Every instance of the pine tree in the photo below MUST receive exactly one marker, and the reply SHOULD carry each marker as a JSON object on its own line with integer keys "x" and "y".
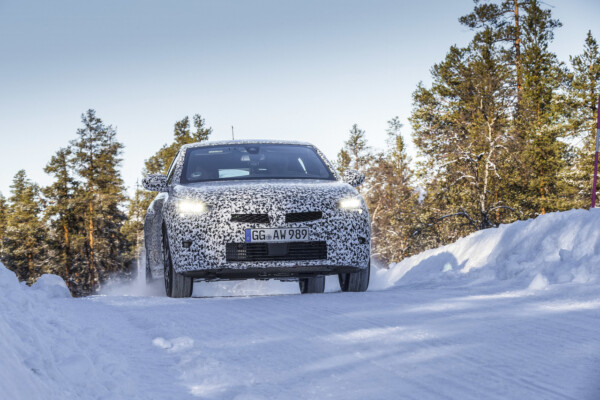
{"x": 538, "y": 132}
{"x": 182, "y": 134}
{"x": 133, "y": 229}
{"x": 582, "y": 107}
{"x": 63, "y": 214}
{"x": 503, "y": 21}
{"x": 343, "y": 161}
{"x": 3, "y": 216}
{"x": 355, "y": 154}
{"x": 24, "y": 240}
{"x": 392, "y": 199}
{"x": 96, "y": 160}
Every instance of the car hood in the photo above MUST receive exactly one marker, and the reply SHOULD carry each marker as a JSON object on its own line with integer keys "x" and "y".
{"x": 267, "y": 196}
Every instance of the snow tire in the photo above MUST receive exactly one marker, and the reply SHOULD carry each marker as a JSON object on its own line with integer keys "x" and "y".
{"x": 148, "y": 276}
{"x": 355, "y": 281}
{"x": 176, "y": 285}
{"x": 312, "y": 285}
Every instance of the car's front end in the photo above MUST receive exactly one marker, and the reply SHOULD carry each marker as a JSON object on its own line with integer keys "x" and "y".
{"x": 285, "y": 228}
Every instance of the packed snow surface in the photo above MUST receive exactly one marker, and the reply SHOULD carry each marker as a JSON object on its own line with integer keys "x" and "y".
{"x": 506, "y": 313}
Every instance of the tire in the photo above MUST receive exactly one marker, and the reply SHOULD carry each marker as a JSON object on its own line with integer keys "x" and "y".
{"x": 312, "y": 285}
{"x": 355, "y": 281}
{"x": 176, "y": 285}
{"x": 148, "y": 276}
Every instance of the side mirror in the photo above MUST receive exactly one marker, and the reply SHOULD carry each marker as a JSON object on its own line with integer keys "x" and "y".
{"x": 353, "y": 178}
{"x": 155, "y": 183}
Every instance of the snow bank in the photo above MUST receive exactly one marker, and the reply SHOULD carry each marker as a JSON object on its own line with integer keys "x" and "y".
{"x": 48, "y": 352}
{"x": 556, "y": 248}
{"x": 28, "y": 332}
{"x": 52, "y": 286}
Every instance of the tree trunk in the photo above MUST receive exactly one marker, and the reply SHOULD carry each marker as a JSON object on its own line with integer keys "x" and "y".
{"x": 93, "y": 271}
{"x": 517, "y": 45}
{"x": 30, "y": 268}
{"x": 66, "y": 253}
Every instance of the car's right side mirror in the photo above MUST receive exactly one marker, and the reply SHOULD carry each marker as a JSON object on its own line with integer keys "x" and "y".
{"x": 353, "y": 177}
{"x": 155, "y": 183}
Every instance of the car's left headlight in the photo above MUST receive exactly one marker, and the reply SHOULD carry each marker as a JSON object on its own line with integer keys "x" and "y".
{"x": 351, "y": 203}
{"x": 191, "y": 207}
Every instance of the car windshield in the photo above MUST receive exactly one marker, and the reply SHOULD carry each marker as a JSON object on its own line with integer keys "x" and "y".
{"x": 253, "y": 161}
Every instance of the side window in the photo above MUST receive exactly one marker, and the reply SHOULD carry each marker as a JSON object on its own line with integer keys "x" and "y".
{"x": 171, "y": 171}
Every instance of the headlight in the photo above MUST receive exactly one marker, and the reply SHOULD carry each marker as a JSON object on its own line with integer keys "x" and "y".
{"x": 191, "y": 207}
{"x": 351, "y": 203}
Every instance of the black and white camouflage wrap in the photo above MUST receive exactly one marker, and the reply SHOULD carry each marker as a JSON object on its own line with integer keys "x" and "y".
{"x": 353, "y": 177}
{"x": 155, "y": 183}
{"x": 209, "y": 232}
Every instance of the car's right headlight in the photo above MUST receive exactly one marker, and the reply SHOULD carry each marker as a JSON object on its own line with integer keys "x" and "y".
{"x": 191, "y": 207}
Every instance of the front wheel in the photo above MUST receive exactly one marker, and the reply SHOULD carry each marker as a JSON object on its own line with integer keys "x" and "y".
{"x": 312, "y": 285}
{"x": 355, "y": 281}
{"x": 148, "y": 276}
{"x": 176, "y": 285}
{"x": 148, "y": 271}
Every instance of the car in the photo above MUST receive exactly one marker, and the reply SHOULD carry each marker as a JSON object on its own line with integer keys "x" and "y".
{"x": 257, "y": 209}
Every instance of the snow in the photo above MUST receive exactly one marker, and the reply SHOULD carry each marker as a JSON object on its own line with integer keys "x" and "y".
{"x": 52, "y": 286}
{"x": 506, "y": 313}
{"x": 555, "y": 248}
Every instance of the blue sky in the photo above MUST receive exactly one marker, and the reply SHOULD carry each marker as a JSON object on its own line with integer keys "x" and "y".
{"x": 303, "y": 70}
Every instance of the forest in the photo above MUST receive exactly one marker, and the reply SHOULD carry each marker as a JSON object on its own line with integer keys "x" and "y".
{"x": 504, "y": 132}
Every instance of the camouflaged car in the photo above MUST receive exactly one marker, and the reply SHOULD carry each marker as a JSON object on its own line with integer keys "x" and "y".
{"x": 256, "y": 210}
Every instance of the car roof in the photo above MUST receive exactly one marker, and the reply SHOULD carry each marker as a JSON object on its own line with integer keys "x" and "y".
{"x": 243, "y": 142}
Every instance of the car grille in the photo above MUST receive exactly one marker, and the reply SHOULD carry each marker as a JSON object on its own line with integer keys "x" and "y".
{"x": 290, "y": 251}
{"x": 303, "y": 216}
{"x": 250, "y": 218}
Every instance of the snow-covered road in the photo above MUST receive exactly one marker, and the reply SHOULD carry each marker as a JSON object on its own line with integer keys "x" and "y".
{"x": 522, "y": 323}
{"x": 410, "y": 343}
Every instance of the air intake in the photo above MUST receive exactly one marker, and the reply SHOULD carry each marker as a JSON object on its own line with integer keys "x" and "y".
{"x": 250, "y": 218}
{"x": 303, "y": 216}
{"x": 291, "y": 251}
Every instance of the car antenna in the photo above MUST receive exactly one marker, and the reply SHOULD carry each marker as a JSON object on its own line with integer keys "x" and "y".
{"x": 232, "y": 136}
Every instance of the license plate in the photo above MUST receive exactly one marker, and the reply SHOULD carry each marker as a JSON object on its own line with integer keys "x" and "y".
{"x": 277, "y": 235}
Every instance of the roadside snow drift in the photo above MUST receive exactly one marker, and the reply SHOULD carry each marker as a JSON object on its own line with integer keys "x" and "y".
{"x": 555, "y": 248}
{"x": 506, "y": 313}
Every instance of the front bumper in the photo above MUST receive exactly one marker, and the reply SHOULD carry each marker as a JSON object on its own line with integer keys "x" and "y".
{"x": 201, "y": 245}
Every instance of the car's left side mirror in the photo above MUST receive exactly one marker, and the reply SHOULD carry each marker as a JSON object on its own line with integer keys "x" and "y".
{"x": 155, "y": 183}
{"x": 353, "y": 177}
